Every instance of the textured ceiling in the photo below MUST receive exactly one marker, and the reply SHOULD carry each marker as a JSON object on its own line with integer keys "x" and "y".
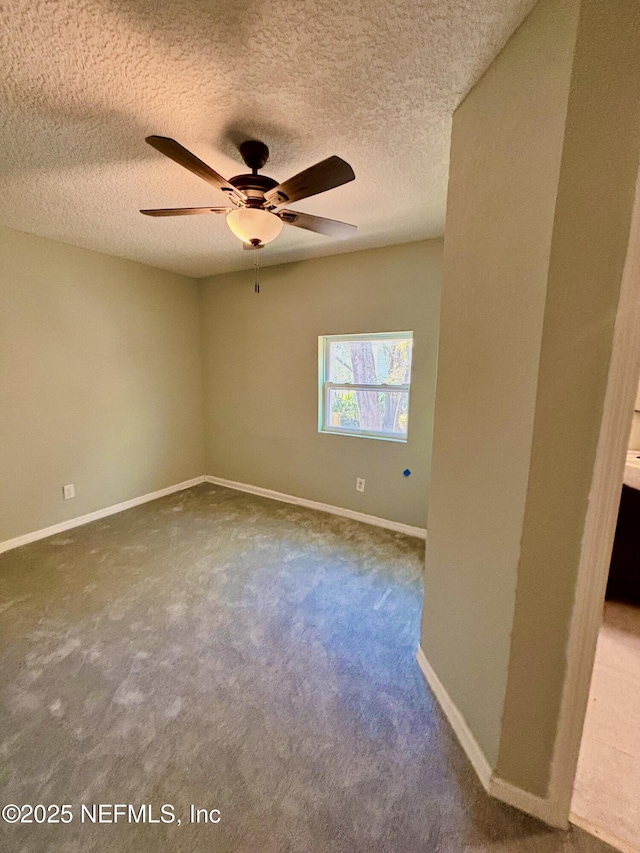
{"x": 82, "y": 82}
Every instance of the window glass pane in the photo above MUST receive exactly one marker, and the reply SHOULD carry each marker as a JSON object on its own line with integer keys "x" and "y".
{"x": 367, "y": 410}
{"x": 382, "y": 361}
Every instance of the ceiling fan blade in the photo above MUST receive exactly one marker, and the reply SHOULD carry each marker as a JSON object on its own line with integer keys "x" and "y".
{"x": 329, "y": 227}
{"x": 185, "y": 211}
{"x": 329, "y": 173}
{"x": 179, "y": 154}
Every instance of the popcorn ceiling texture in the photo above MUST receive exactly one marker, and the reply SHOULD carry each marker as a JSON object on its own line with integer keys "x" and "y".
{"x": 82, "y": 82}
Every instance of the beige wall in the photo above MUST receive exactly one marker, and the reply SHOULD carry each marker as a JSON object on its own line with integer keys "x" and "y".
{"x": 505, "y": 163}
{"x": 544, "y": 161}
{"x": 634, "y": 438}
{"x": 101, "y": 376}
{"x": 100, "y": 381}
{"x": 261, "y": 368}
{"x": 600, "y": 159}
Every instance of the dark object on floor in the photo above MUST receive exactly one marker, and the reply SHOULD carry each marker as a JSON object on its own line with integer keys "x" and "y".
{"x": 624, "y": 572}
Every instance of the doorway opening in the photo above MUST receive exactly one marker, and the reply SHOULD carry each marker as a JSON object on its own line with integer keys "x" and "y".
{"x": 607, "y": 785}
{"x": 588, "y": 629}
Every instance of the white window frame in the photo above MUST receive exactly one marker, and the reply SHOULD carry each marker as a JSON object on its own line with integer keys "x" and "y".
{"x": 324, "y": 386}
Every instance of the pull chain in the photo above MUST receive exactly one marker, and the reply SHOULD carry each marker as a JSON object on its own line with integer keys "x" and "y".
{"x": 257, "y": 269}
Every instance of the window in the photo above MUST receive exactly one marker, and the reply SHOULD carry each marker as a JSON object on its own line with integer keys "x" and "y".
{"x": 364, "y": 384}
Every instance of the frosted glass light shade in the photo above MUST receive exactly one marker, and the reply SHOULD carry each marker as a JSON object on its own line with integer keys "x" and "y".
{"x": 251, "y": 224}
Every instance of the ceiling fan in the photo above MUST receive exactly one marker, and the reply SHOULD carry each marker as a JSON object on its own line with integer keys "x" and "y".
{"x": 257, "y": 213}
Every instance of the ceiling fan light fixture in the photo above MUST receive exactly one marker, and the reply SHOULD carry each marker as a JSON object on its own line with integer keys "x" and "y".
{"x": 253, "y": 221}
{"x": 253, "y": 225}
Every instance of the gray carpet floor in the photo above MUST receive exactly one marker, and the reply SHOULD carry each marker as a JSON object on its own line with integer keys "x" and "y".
{"x": 222, "y": 650}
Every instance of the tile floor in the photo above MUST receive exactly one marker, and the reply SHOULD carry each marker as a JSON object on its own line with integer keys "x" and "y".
{"x": 606, "y": 799}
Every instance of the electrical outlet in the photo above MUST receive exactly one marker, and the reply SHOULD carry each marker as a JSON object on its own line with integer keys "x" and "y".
{"x": 68, "y": 491}
{"x": 359, "y": 484}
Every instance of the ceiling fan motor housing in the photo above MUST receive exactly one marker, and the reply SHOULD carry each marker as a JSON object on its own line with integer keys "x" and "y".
{"x": 254, "y": 187}
{"x": 254, "y": 153}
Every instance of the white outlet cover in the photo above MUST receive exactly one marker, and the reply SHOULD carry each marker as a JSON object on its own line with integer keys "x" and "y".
{"x": 69, "y": 491}
{"x": 360, "y": 484}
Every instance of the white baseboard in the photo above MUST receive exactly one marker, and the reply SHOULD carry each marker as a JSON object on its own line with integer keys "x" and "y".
{"x": 541, "y": 807}
{"x": 398, "y": 526}
{"x": 458, "y": 723}
{"x": 496, "y": 787}
{"x": 26, "y": 538}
